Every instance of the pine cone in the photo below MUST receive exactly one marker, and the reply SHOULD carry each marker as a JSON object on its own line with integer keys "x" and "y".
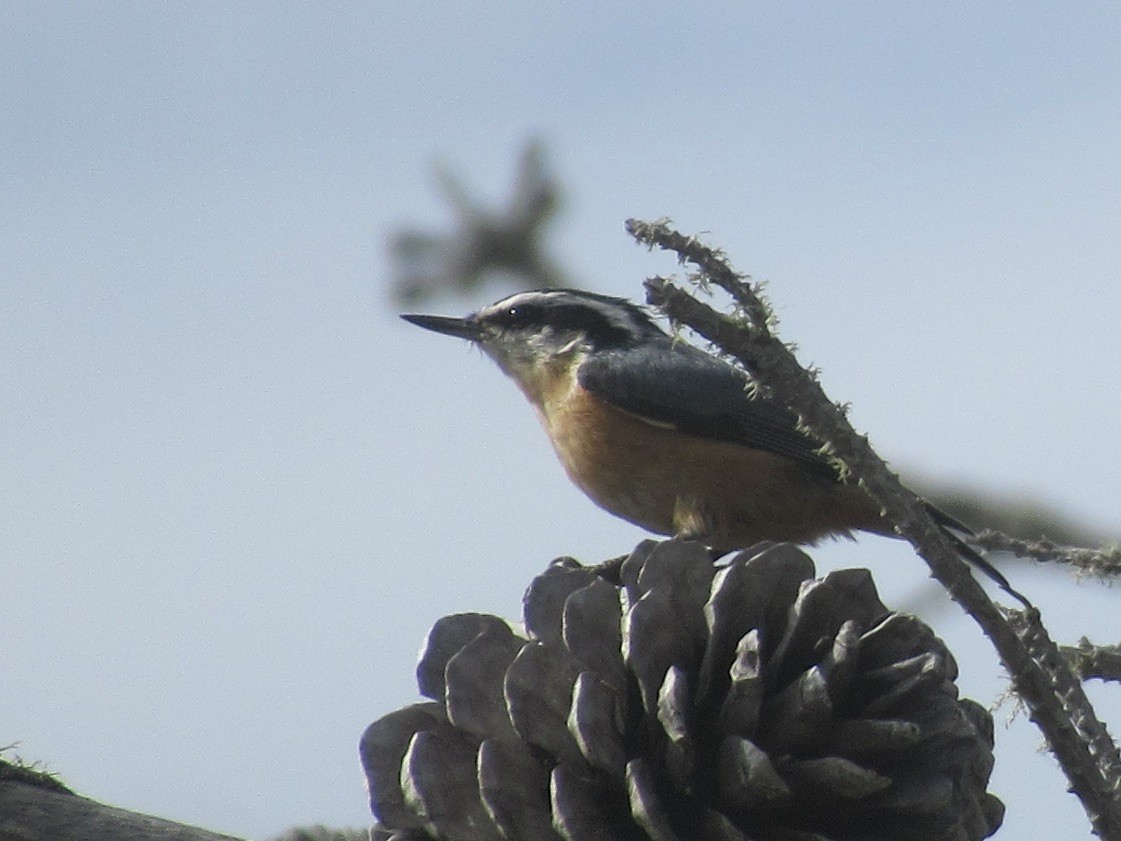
{"x": 668, "y": 698}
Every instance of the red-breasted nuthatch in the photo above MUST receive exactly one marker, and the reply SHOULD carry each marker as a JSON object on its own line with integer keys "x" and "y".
{"x": 664, "y": 435}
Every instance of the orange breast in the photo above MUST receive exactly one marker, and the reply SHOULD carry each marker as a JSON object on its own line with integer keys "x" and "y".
{"x": 670, "y": 483}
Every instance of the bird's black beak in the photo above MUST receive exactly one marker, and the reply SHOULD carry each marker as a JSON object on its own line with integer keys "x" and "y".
{"x": 462, "y": 328}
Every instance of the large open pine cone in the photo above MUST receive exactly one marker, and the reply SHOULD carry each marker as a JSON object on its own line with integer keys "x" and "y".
{"x": 686, "y": 701}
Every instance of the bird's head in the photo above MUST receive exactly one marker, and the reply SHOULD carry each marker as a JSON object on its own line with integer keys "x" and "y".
{"x": 532, "y": 335}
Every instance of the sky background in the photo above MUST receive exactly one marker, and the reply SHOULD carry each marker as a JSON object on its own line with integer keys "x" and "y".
{"x": 236, "y": 490}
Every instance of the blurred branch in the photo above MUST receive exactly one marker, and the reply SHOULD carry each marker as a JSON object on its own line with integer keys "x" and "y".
{"x": 486, "y": 243}
{"x": 1028, "y": 530}
{"x": 1040, "y": 674}
{"x": 1021, "y": 518}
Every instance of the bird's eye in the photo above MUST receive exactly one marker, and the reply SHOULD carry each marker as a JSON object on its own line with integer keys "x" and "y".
{"x": 514, "y": 315}
{"x": 520, "y": 314}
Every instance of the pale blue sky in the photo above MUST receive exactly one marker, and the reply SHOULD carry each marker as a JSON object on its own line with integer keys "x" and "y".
{"x": 235, "y": 490}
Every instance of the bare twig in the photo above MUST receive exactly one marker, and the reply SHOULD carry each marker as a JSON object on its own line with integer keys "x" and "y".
{"x": 1090, "y": 662}
{"x": 1040, "y": 674}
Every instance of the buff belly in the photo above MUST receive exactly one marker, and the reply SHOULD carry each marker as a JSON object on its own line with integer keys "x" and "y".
{"x": 669, "y": 483}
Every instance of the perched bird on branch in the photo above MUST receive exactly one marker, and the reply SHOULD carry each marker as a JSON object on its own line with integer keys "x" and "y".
{"x": 666, "y": 436}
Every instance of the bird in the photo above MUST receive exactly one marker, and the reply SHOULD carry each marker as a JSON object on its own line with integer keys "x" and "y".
{"x": 666, "y": 436}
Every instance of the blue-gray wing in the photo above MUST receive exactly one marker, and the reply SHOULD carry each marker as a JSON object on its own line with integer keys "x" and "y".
{"x": 696, "y": 393}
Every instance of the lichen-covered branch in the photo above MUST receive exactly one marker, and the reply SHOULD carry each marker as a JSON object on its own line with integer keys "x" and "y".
{"x": 1040, "y": 674}
{"x": 1102, "y": 562}
{"x": 1094, "y": 662}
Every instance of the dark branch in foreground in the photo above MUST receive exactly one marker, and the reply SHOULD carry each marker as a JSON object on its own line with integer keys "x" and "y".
{"x": 36, "y": 812}
{"x": 1040, "y": 674}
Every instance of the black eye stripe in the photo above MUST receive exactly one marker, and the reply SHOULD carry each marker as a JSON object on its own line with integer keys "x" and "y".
{"x": 606, "y": 322}
{"x": 560, "y": 317}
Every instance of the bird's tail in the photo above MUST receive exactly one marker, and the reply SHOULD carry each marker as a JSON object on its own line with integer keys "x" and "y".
{"x": 954, "y": 529}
